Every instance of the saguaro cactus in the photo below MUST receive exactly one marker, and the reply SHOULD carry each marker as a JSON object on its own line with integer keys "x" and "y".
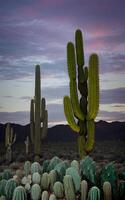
{"x": 10, "y": 139}
{"x": 80, "y": 113}
{"x": 38, "y": 116}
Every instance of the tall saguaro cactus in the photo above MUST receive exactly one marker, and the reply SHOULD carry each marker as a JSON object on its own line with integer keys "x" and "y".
{"x": 82, "y": 106}
{"x": 10, "y": 139}
{"x": 38, "y": 116}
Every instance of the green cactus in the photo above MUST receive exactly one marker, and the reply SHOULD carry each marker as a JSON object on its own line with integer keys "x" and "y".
{"x": 19, "y": 193}
{"x": 45, "y": 195}
{"x": 75, "y": 164}
{"x": 2, "y": 198}
{"x": 60, "y": 169}
{"x": 36, "y": 167}
{"x": 45, "y": 181}
{"x": 121, "y": 190}
{"x": 58, "y": 189}
{"x": 52, "y": 178}
{"x": 53, "y": 162}
{"x": 52, "y": 197}
{"x": 10, "y": 187}
{"x": 107, "y": 191}
{"x": 69, "y": 187}
{"x": 45, "y": 165}
{"x": 80, "y": 113}
{"x": 3, "y": 183}
{"x": 108, "y": 173}
{"x": 84, "y": 189}
{"x": 7, "y": 174}
{"x": 38, "y": 116}
{"x": 36, "y": 177}
{"x": 94, "y": 193}
{"x": 88, "y": 169}
{"x": 10, "y": 139}
{"x": 35, "y": 192}
{"x": 27, "y": 145}
{"x": 75, "y": 177}
{"x": 27, "y": 168}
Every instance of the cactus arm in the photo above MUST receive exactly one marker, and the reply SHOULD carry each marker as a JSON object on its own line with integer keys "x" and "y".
{"x": 69, "y": 114}
{"x": 79, "y": 48}
{"x": 43, "y": 106}
{"x": 93, "y": 87}
{"x": 45, "y": 125}
{"x": 7, "y": 131}
{"x": 71, "y": 61}
{"x": 27, "y": 145}
{"x": 32, "y": 121}
{"x": 74, "y": 100}
{"x": 12, "y": 138}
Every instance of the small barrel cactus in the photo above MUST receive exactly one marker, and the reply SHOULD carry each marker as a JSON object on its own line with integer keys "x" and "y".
{"x": 26, "y": 179}
{"x": 36, "y": 177}
{"x": 75, "y": 164}
{"x": 53, "y": 162}
{"x": 27, "y": 168}
{"x": 2, "y": 197}
{"x": 69, "y": 188}
{"x": 121, "y": 189}
{"x": 27, "y": 187}
{"x": 84, "y": 189}
{"x": 36, "y": 167}
{"x": 52, "y": 178}
{"x": 10, "y": 187}
{"x": 94, "y": 193}
{"x": 45, "y": 181}
{"x": 45, "y": 195}
{"x": 35, "y": 192}
{"x": 108, "y": 173}
{"x": 88, "y": 169}
{"x": 7, "y": 174}
{"x": 60, "y": 168}
{"x": 58, "y": 189}
{"x": 107, "y": 191}
{"x": 45, "y": 165}
{"x": 52, "y": 197}
{"x": 19, "y": 193}
{"x": 75, "y": 177}
{"x": 19, "y": 173}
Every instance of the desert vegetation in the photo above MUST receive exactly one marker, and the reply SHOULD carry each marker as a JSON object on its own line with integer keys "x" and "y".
{"x": 57, "y": 171}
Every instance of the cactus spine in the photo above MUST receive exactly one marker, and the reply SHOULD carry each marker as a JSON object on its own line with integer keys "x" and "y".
{"x": 80, "y": 113}
{"x": 38, "y": 115}
{"x": 10, "y": 139}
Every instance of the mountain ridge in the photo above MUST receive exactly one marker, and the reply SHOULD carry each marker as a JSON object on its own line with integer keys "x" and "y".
{"x": 103, "y": 131}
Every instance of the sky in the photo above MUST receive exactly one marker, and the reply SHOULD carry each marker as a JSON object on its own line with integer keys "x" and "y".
{"x": 37, "y": 31}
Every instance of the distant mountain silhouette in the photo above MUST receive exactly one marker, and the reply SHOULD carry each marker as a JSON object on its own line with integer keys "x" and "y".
{"x": 63, "y": 133}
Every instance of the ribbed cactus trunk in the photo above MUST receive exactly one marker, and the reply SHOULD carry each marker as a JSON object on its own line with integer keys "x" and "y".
{"x": 10, "y": 139}
{"x": 37, "y": 144}
{"x": 82, "y": 106}
{"x": 38, "y": 117}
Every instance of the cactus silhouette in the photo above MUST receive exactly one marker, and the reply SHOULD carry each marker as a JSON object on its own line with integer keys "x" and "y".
{"x": 10, "y": 139}
{"x": 38, "y": 116}
{"x": 82, "y": 106}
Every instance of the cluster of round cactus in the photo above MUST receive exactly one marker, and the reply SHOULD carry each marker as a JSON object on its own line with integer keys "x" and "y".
{"x": 61, "y": 179}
